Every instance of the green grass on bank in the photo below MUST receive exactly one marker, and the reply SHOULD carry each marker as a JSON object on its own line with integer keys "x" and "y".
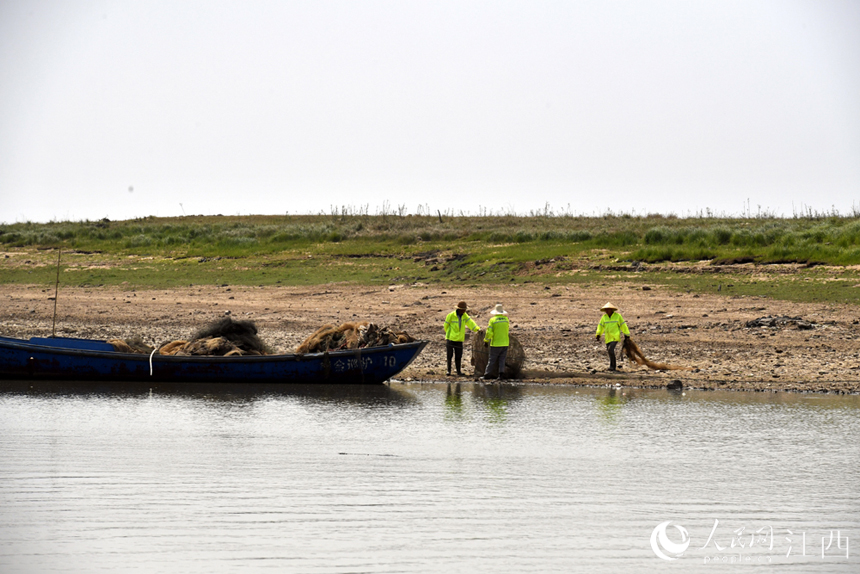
{"x": 383, "y": 249}
{"x": 834, "y": 240}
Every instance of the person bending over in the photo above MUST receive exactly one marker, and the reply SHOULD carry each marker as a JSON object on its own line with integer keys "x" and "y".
{"x": 497, "y": 336}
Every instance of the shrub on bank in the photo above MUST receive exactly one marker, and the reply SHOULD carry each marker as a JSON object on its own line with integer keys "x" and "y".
{"x": 651, "y": 238}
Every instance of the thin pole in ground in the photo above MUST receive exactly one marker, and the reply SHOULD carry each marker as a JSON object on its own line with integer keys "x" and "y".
{"x": 56, "y": 292}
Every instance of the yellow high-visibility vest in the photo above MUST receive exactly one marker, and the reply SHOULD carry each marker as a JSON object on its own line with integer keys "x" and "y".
{"x": 497, "y": 331}
{"x": 613, "y": 326}
{"x": 455, "y": 327}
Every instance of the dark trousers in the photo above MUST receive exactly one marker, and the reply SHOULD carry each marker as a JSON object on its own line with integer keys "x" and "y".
{"x": 610, "y": 348}
{"x": 455, "y": 349}
{"x": 496, "y": 362}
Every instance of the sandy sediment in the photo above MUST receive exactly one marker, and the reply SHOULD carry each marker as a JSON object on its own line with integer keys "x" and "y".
{"x": 708, "y": 333}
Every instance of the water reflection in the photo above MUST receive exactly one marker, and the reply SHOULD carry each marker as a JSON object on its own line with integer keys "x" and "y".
{"x": 215, "y": 393}
{"x": 496, "y": 399}
{"x": 609, "y": 406}
{"x": 454, "y": 402}
{"x": 411, "y": 477}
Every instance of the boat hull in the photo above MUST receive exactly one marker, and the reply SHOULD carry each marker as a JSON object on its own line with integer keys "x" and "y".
{"x": 84, "y": 360}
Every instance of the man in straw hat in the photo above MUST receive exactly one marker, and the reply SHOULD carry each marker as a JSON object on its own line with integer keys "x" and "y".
{"x": 497, "y": 337}
{"x": 455, "y": 334}
{"x": 613, "y": 324}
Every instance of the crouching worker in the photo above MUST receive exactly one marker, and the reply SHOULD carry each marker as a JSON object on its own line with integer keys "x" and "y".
{"x": 455, "y": 333}
{"x": 497, "y": 337}
{"x": 612, "y": 324}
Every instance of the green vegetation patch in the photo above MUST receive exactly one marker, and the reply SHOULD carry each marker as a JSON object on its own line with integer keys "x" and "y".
{"x": 382, "y": 249}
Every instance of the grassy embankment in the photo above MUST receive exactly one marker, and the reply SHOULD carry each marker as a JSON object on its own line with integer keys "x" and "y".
{"x": 694, "y": 254}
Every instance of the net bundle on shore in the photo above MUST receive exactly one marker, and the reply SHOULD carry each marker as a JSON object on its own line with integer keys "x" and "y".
{"x": 352, "y": 336}
{"x": 514, "y": 360}
{"x": 634, "y": 354}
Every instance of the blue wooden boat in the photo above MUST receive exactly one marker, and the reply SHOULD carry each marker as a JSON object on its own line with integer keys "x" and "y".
{"x": 62, "y": 358}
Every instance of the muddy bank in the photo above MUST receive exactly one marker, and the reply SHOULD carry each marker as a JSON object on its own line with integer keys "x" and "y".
{"x": 730, "y": 342}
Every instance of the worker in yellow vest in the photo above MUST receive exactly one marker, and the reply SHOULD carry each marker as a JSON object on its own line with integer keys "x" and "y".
{"x": 612, "y": 324}
{"x": 455, "y": 333}
{"x": 497, "y": 336}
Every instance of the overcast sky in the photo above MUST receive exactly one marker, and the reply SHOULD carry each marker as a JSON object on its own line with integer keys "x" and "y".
{"x": 122, "y": 109}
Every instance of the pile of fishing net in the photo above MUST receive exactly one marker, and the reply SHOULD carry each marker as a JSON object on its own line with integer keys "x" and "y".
{"x": 352, "y": 336}
{"x": 635, "y": 355}
{"x": 514, "y": 360}
{"x": 133, "y": 345}
{"x": 224, "y": 338}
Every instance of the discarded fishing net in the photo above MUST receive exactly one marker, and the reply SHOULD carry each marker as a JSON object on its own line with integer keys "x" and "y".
{"x": 171, "y": 348}
{"x": 225, "y": 338}
{"x": 219, "y": 346}
{"x": 215, "y": 346}
{"x": 634, "y": 354}
{"x": 352, "y": 336}
{"x": 242, "y": 334}
{"x": 133, "y": 345}
{"x": 514, "y": 361}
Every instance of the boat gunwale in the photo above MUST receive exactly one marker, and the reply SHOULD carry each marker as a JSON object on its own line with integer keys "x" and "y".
{"x": 27, "y": 345}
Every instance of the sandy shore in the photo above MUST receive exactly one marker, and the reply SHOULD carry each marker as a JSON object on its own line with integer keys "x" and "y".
{"x": 555, "y": 325}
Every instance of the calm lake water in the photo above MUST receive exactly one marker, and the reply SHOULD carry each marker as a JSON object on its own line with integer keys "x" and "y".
{"x": 425, "y": 478}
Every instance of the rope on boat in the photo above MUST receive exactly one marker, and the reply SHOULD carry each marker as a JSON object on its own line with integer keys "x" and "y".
{"x": 150, "y": 361}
